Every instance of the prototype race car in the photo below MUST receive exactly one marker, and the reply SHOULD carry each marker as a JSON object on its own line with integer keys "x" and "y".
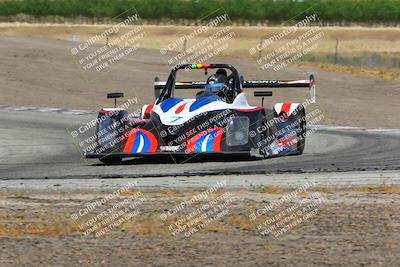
{"x": 217, "y": 121}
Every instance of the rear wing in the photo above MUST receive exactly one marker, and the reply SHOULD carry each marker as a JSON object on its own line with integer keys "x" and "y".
{"x": 158, "y": 86}
{"x": 310, "y": 84}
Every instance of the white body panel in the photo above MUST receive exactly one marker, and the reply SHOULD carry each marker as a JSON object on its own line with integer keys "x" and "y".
{"x": 171, "y": 118}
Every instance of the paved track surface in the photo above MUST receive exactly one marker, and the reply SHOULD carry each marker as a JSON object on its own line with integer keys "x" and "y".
{"x": 37, "y": 145}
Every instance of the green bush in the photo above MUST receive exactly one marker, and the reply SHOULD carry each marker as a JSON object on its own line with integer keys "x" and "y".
{"x": 329, "y": 11}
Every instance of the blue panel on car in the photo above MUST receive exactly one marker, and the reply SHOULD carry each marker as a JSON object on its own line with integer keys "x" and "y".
{"x": 170, "y": 103}
{"x": 202, "y": 102}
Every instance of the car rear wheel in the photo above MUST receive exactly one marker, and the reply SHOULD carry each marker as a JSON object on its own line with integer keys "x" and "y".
{"x": 301, "y": 131}
{"x": 268, "y": 134}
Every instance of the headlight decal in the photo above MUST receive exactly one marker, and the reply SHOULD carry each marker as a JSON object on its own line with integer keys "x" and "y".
{"x": 206, "y": 141}
{"x": 140, "y": 141}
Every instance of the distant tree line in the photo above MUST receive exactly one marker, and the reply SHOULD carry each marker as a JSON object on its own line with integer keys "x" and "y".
{"x": 271, "y": 11}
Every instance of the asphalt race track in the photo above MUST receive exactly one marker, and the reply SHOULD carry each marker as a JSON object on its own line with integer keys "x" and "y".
{"x": 37, "y": 146}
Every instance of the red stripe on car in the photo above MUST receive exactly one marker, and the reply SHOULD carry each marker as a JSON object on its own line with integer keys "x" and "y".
{"x": 180, "y": 108}
{"x": 286, "y": 108}
{"x": 217, "y": 140}
{"x": 149, "y": 108}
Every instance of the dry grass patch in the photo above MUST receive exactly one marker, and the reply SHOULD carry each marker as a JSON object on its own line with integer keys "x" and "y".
{"x": 240, "y": 221}
{"x": 170, "y": 193}
{"x": 131, "y": 193}
{"x": 327, "y": 190}
{"x": 215, "y": 227}
{"x": 352, "y": 40}
{"x": 377, "y": 73}
{"x": 146, "y": 225}
{"x": 272, "y": 190}
{"x": 378, "y": 190}
{"x": 25, "y": 226}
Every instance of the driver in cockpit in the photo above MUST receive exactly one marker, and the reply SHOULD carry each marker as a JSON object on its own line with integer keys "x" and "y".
{"x": 216, "y": 85}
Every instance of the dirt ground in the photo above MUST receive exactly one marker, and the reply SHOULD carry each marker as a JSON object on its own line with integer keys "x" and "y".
{"x": 352, "y": 40}
{"x": 348, "y": 43}
{"x": 358, "y": 227}
{"x": 43, "y": 73}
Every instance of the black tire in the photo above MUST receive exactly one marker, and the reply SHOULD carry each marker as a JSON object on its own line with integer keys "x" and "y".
{"x": 300, "y": 117}
{"x": 269, "y": 126}
{"x": 110, "y": 160}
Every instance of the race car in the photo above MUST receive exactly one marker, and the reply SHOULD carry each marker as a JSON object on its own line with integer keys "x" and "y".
{"x": 216, "y": 121}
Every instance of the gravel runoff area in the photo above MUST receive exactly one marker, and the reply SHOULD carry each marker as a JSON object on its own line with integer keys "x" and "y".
{"x": 130, "y": 222}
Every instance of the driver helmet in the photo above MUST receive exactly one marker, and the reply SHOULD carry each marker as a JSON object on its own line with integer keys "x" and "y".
{"x": 216, "y": 83}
